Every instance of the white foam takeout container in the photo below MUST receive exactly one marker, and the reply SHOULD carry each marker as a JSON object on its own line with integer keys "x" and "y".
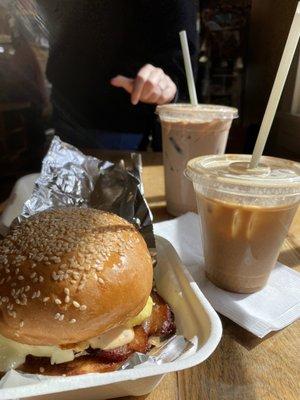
{"x": 195, "y": 319}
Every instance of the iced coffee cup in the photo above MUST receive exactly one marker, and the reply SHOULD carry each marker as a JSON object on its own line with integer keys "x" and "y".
{"x": 245, "y": 216}
{"x": 190, "y": 131}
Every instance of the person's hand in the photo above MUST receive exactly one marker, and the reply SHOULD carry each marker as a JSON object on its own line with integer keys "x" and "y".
{"x": 151, "y": 86}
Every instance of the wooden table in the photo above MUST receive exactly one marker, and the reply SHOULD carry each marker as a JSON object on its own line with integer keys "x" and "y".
{"x": 243, "y": 367}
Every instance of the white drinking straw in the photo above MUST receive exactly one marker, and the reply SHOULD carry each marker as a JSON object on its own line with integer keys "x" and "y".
{"x": 282, "y": 73}
{"x": 188, "y": 68}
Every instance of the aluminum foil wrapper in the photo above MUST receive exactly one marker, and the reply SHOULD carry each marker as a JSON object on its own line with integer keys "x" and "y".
{"x": 70, "y": 178}
{"x": 168, "y": 351}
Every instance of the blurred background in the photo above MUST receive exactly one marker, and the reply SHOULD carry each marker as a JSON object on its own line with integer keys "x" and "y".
{"x": 240, "y": 45}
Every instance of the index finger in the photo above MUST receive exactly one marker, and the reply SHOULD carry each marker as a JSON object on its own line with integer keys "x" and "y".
{"x": 121, "y": 81}
{"x": 139, "y": 83}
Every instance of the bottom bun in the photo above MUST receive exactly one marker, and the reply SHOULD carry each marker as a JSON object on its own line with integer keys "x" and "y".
{"x": 160, "y": 323}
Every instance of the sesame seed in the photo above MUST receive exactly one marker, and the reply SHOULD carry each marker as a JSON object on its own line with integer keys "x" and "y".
{"x": 21, "y": 324}
{"x": 42, "y": 369}
{"x": 72, "y": 321}
{"x": 41, "y": 279}
{"x": 20, "y": 277}
{"x": 67, "y": 291}
{"x": 38, "y": 293}
{"x": 33, "y": 275}
{"x": 83, "y": 307}
{"x": 62, "y": 316}
{"x": 55, "y": 259}
{"x": 67, "y": 299}
{"x": 57, "y": 316}
{"x": 35, "y": 280}
{"x": 27, "y": 288}
{"x": 55, "y": 276}
{"x": 76, "y": 304}
{"x": 45, "y": 299}
{"x": 57, "y": 301}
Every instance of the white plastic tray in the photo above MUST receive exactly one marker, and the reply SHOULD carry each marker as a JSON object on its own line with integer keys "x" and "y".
{"x": 195, "y": 319}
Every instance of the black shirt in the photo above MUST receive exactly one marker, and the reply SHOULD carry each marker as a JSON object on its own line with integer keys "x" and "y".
{"x": 91, "y": 41}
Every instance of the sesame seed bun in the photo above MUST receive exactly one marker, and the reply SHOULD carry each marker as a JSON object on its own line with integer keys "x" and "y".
{"x": 70, "y": 274}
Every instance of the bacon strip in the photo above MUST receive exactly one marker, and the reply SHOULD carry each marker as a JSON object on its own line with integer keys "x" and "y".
{"x": 161, "y": 322}
{"x": 139, "y": 343}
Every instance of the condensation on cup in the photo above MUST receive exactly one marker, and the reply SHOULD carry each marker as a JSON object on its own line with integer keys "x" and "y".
{"x": 245, "y": 215}
{"x": 187, "y": 132}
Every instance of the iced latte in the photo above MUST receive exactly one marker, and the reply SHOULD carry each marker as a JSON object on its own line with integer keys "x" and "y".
{"x": 245, "y": 216}
{"x": 189, "y": 132}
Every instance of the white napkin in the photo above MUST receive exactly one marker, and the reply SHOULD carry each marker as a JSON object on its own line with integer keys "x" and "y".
{"x": 272, "y": 308}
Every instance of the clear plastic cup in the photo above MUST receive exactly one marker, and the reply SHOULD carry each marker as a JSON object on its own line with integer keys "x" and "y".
{"x": 245, "y": 216}
{"x": 190, "y": 131}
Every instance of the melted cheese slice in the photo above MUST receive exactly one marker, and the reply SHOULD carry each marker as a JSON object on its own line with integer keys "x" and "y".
{"x": 144, "y": 314}
{"x": 113, "y": 338}
{"x": 13, "y": 354}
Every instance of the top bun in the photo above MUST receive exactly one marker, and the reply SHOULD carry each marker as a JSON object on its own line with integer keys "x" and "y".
{"x": 68, "y": 275}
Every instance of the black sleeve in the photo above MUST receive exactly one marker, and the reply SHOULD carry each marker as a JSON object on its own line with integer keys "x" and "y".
{"x": 162, "y": 21}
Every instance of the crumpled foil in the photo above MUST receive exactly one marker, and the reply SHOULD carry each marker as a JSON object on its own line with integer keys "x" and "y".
{"x": 168, "y": 351}
{"x": 70, "y": 178}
